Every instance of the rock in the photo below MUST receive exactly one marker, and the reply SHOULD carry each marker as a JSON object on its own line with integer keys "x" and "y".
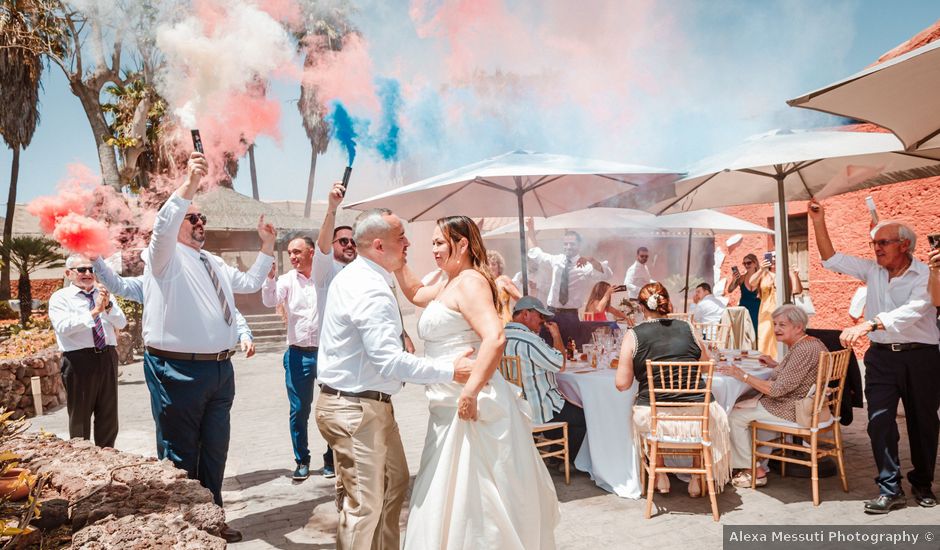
{"x": 54, "y": 512}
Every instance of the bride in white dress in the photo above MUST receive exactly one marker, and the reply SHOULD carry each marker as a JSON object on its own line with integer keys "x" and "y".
{"x": 481, "y": 483}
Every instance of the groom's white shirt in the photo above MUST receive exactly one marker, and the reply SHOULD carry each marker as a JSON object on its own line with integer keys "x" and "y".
{"x": 360, "y": 342}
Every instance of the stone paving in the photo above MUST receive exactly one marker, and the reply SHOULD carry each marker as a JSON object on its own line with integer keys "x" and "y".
{"x": 274, "y": 512}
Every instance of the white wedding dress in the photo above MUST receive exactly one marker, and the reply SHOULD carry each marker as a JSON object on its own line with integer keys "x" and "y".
{"x": 481, "y": 484}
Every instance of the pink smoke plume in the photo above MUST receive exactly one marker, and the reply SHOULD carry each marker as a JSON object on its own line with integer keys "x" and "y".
{"x": 346, "y": 75}
{"x": 84, "y": 216}
{"x": 83, "y": 235}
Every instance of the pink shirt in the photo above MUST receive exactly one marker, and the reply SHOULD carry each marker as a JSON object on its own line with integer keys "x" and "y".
{"x": 299, "y": 296}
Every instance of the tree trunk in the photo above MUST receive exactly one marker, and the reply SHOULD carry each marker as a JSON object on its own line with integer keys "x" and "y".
{"x": 8, "y": 225}
{"x": 313, "y": 173}
{"x": 107, "y": 158}
{"x": 26, "y": 299}
{"x": 254, "y": 175}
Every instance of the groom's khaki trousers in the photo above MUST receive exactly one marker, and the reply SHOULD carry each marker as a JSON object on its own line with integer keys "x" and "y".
{"x": 371, "y": 472}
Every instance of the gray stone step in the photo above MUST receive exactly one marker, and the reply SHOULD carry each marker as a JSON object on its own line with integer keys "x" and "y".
{"x": 280, "y": 332}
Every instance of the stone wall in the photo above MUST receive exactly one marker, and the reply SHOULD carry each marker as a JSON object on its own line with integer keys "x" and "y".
{"x": 16, "y": 392}
{"x": 122, "y": 500}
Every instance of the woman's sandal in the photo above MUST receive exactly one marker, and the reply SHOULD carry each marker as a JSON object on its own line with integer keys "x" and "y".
{"x": 743, "y": 480}
{"x": 662, "y": 484}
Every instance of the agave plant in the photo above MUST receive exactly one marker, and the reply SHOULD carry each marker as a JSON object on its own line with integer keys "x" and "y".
{"x": 27, "y": 255}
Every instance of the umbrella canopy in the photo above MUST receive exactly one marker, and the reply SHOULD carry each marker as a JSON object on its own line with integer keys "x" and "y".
{"x": 782, "y": 166}
{"x": 899, "y": 94}
{"x": 517, "y": 183}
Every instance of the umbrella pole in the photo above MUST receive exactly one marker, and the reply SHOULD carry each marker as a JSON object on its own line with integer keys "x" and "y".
{"x": 688, "y": 264}
{"x": 522, "y": 250}
{"x": 784, "y": 266}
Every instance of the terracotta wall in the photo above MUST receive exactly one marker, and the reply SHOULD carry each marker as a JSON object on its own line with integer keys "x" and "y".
{"x": 916, "y": 203}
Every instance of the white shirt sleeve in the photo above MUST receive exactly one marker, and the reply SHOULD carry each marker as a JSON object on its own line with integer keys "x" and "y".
{"x": 115, "y": 316}
{"x": 849, "y": 265}
{"x": 273, "y": 291}
{"x": 541, "y": 257}
{"x": 917, "y": 307}
{"x": 65, "y": 319}
{"x": 130, "y": 288}
{"x": 322, "y": 267}
{"x": 162, "y": 248}
{"x": 377, "y": 320}
{"x": 246, "y": 282}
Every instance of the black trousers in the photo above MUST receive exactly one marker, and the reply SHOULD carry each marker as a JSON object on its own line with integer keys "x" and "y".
{"x": 577, "y": 427}
{"x": 913, "y": 377}
{"x": 90, "y": 380}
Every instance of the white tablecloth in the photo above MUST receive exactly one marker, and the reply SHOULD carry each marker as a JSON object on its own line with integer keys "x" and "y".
{"x": 608, "y": 454}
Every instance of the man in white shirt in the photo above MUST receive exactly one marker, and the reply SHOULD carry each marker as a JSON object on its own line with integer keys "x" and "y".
{"x": 84, "y": 316}
{"x": 903, "y": 361}
{"x": 189, "y": 330}
{"x": 638, "y": 274}
{"x": 706, "y": 307}
{"x": 572, "y": 278}
{"x": 361, "y": 363}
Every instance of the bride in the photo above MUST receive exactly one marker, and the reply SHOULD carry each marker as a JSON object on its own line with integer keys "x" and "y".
{"x": 481, "y": 483}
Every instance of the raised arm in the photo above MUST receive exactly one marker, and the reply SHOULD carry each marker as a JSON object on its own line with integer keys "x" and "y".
{"x": 418, "y": 292}
{"x": 130, "y": 288}
{"x": 246, "y": 282}
{"x": 817, "y": 214}
{"x": 933, "y": 282}
{"x": 475, "y": 303}
{"x": 169, "y": 219}
{"x": 325, "y": 236}
{"x": 530, "y": 239}
{"x": 796, "y": 285}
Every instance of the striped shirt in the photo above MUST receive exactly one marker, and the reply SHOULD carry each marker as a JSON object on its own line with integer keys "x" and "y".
{"x": 540, "y": 362}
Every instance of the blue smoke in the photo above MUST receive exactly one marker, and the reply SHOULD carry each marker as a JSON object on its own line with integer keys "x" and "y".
{"x": 343, "y": 130}
{"x": 389, "y": 92}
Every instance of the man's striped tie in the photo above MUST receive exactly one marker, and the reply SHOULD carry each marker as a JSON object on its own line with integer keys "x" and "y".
{"x": 226, "y": 312}
{"x": 97, "y": 333}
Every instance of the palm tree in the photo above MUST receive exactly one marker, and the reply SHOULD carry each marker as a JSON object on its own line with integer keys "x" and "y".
{"x": 20, "y": 73}
{"x": 327, "y": 36}
{"x": 28, "y": 254}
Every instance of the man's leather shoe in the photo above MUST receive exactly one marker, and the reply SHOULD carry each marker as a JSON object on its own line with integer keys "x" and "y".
{"x": 230, "y": 535}
{"x": 883, "y": 504}
{"x": 302, "y": 472}
{"x": 924, "y": 497}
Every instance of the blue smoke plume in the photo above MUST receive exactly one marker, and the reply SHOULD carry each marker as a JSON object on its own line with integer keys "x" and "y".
{"x": 343, "y": 130}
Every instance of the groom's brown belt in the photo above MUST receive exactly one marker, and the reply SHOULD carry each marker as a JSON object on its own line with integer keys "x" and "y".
{"x": 368, "y": 394}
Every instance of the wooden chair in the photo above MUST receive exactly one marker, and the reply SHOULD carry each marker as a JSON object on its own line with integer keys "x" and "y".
{"x": 832, "y": 368}
{"x": 679, "y": 378}
{"x": 510, "y": 366}
{"x": 715, "y": 335}
{"x": 687, "y": 317}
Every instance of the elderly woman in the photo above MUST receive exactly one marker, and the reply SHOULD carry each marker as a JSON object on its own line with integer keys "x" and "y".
{"x": 791, "y": 381}
{"x": 659, "y": 338}
{"x": 507, "y": 291}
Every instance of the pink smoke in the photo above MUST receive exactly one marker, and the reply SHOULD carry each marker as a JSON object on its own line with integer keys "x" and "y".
{"x": 285, "y": 11}
{"x": 83, "y": 235}
{"x": 346, "y": 75}
{"x": 75, "y": 194}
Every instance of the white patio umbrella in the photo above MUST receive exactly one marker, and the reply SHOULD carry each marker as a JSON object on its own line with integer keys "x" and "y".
{"x": 518, "y": 183}
{"x": 782, "y": 166}
{"x": 632, "y": 222}
{"x": 900, "y": 94}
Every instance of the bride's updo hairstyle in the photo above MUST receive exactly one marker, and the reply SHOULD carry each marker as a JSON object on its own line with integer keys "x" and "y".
{"x": 455, "y": 228}
{"x": 655, "y": 297}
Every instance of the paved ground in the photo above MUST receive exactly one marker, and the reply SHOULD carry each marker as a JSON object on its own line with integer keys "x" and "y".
{"x": 274, "y": 512}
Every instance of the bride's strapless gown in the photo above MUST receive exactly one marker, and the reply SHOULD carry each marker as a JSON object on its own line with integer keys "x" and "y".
{"x": 481, "y": 484}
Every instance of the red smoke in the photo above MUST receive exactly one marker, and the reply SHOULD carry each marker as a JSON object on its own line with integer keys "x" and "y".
{"x": 83, "y": 235}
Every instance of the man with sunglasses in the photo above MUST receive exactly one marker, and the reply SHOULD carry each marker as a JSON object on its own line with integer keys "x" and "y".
{"x": 84, "y": 317}
{"x": 190, "y": 332}
{"x": 903, "y": 361}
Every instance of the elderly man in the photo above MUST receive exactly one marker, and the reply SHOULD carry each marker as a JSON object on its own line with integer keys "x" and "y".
{"x": 189, "y": 330}
{"x": 361, "y": 364}
{"x": 638, "y": 274}
{"x": 572, "y": 277}
{"x": 84, "y": 316}
{"x": 902, "y": 362}
{"x": 706, "y": 307}
{"x": 539, "y": 365}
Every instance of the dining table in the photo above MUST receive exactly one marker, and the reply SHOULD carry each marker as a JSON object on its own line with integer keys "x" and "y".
{"x": 609, "y": 454}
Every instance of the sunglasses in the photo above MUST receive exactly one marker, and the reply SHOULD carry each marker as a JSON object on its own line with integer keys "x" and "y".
{"x": 748, "y": 262}
{"x": 84, "y": 269}
{"x": 191, "y": 218}
{"x": 345, "y": 241}
{"x": 881, "y": 243}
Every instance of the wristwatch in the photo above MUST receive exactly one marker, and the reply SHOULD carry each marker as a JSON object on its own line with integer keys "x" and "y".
{"x": 873, "y": 324}
{"x": 746, "y": 376}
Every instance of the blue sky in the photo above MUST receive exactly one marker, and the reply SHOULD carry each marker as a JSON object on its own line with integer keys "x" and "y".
{"x": 737, "y": 62}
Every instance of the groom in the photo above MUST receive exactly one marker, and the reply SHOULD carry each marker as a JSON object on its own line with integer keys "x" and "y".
{"x": 361, "y": 363}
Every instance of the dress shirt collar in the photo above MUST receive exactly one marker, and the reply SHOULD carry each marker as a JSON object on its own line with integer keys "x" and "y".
{"x": 377, "y": 268}
{"x": 76, "y": 290}
{"x": 517, "y": 326}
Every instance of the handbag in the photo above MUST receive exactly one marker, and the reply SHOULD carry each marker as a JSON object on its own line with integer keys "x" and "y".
{"x": 804, "y": 410}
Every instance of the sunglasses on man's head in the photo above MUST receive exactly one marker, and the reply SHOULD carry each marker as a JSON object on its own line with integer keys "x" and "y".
{"x": 345, "y": 241}
{"x": 191, "y": 218}
{"x": 84, "y": 269}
